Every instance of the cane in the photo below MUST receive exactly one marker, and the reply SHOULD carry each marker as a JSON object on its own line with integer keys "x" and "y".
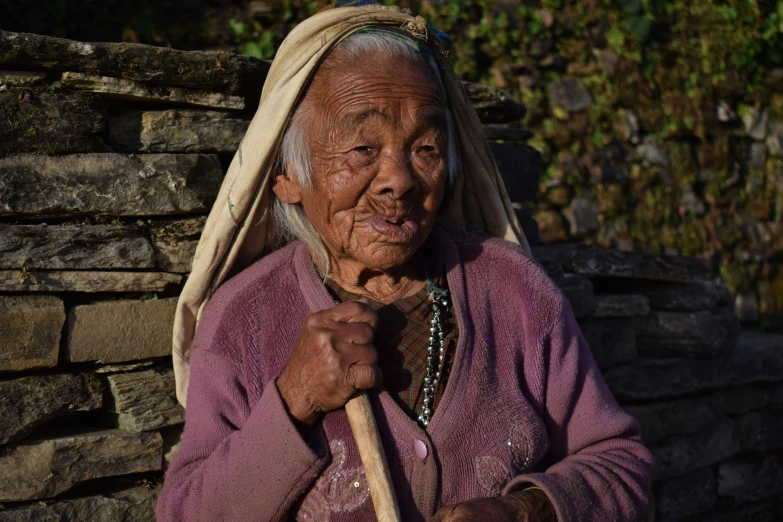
{"x": 368, "y": 440}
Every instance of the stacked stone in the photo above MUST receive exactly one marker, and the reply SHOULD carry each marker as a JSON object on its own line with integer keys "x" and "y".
{"x": 111, "y": 156}
{"x": 709, "y": 398}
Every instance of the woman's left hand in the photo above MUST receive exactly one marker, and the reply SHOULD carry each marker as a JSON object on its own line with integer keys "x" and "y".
{"x": 519, "y": 506}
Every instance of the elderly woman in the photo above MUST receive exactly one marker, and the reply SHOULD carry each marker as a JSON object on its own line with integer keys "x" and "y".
{"x": 366, "y": 158}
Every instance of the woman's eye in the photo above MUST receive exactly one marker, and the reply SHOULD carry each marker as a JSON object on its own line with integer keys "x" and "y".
{"x": 364, "y": 149}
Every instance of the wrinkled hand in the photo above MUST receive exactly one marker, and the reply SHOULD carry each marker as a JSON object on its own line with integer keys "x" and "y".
{"x": 333, "y": 359}
{"x": 519, "y": 506}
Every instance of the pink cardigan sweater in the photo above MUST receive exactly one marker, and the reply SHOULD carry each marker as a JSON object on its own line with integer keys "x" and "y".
{"x": 525, "y": 404}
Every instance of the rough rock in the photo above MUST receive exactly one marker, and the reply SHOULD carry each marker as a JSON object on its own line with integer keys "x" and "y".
{"x": 45, "y": 468}
{"x": 172, "y": 439}
{"x": 494, "y": 105}
{"x": 582, "y": 215}
{"x": 210, "y": 70}
{"x": 139, "y": 92}
{"x": 48, "y": 123}
{"x": 611, "y": 341}
{"x": 115, "y": 184}
{"x": 177, "y": 131}
{"x": 750, "y": 478}
{"x": 519, "y": 166}
{"x": 30, "y": 327}
{"x": 761, "y": 431}
{"x": 761, "y": 511}
{"x": 684, "y": 297}
{"x": 86, "y": 281}
{"x": 551, "y": 227}
{"x": 775, "y": 138}
{"x": 21, "y": 78}
{"x": 579, "y": 292}
{"x": 688, "y": 415}
{"x": 755, "y": 122}
{"x": 120, "y": 368}
{"x": 621, "y": 305}
{"x": 746, "y": 308}
{"x": 119, "y": 331}
{"x": 74, "y": 247}
{"x": 598, "y": 262}
{"x": 692, "y": 493}
{"x": 758, "y": 358}
{"x": 130, "y": 505}
{"x": 680, "y": 455}
{"x": 689, "y": 334}
{"x": 569, "y": 94}
{"x": 175, "y": 243}
{"x": 506, "y": 133}
{"x": 142, "y": 401}
{"x": 29, "y": 402}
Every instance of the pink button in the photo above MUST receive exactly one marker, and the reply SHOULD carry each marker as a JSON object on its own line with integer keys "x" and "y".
{"x": 420, "y": 448}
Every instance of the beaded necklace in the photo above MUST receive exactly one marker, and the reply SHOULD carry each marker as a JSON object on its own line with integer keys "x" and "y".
{"x": 436, "y": 348}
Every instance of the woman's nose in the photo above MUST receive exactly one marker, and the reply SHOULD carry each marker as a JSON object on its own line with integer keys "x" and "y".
{"x": 395, "y": 177}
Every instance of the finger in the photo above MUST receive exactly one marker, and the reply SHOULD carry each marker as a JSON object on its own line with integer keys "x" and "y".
{"x": 354, "y": 312}
{"x": 357, "y": 333}
{"x": 444, "y": 515}
{"x": 364, "y": 376}
{"x": 353, "y": 353}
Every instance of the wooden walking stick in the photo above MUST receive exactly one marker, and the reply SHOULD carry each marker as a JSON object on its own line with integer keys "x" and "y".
{"x": 368, "y": 440}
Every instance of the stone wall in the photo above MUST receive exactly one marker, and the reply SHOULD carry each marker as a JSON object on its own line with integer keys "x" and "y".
{"x": 110, "y": 157}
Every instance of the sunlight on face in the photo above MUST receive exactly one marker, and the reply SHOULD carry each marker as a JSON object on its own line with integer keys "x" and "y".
{"x": 378, "y": 147}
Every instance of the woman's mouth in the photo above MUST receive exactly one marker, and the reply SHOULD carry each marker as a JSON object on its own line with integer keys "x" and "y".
{"x": 395, "y": 230}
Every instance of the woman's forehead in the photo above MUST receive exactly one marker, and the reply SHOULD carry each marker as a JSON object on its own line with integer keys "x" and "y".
{"x": 366, "y": 90}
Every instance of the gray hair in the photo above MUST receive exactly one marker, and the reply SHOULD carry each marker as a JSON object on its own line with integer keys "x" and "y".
{"x": 294, "y": 154}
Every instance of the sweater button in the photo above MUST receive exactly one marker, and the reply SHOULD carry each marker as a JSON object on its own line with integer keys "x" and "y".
{"x": 421, "y": 449}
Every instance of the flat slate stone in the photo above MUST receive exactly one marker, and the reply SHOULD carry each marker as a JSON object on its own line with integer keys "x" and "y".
{"x": 21, "y": 78}
{"x": 175, "y": 243}
{"x": 120, "y": 331}
{"x": 51, "y": 122}
{"x": 86, "y": 281}
{"x": 29, "y": 402}
{"x": 46, "y": 468}
{"x": 121, "y": 368}
{"x": 761, "y": 431}
{"x": 74, "y": 247}
{"x": 579, "y": 292}
{"x": 758, "y": 358}
{"x": 688, "y": 334}
{"x": 177, "y": 131}
{"x": 599, "y": 262}
{"x": 680, "y": 497}
{"x": 114, "y": 184}
{"x": 142, "y": 401}
{"x": 130, "y": 505}
{"x": 628, "y": 305}
{"x": 519, "y": 166}
{"x": 30, "y": 327}
{"x": 494, "y": 105}
{"x": 680, "y": 455}
{"x": 611, "y": 341}
{"x": 749, "y": 478}
{"x": 219, "y": 71}
{"x": 504, "y": 132}
{"x": 662, "y": 419}
{"x": 136, "y": 91}
{"x": 685, "y": 297}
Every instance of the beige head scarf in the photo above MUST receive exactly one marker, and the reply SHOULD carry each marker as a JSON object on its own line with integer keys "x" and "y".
{"x": 239, "y": 225}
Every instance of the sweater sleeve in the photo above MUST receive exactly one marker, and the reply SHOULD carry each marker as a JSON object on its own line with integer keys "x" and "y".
{"x": 236, "y": 462}
{"x": 599, "y": 468}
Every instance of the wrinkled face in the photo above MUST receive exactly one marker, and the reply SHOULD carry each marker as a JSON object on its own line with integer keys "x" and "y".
{"x": 378, "y": 146}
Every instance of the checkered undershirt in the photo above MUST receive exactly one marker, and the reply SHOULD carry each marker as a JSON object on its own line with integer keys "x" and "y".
{"x": 401, "y": 341}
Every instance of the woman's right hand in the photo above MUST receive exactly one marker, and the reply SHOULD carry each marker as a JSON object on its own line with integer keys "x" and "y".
{"x": 333, "y": 359}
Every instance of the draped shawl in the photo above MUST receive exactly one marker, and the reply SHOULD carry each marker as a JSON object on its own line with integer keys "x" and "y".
{"x": 240, "y": 225}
